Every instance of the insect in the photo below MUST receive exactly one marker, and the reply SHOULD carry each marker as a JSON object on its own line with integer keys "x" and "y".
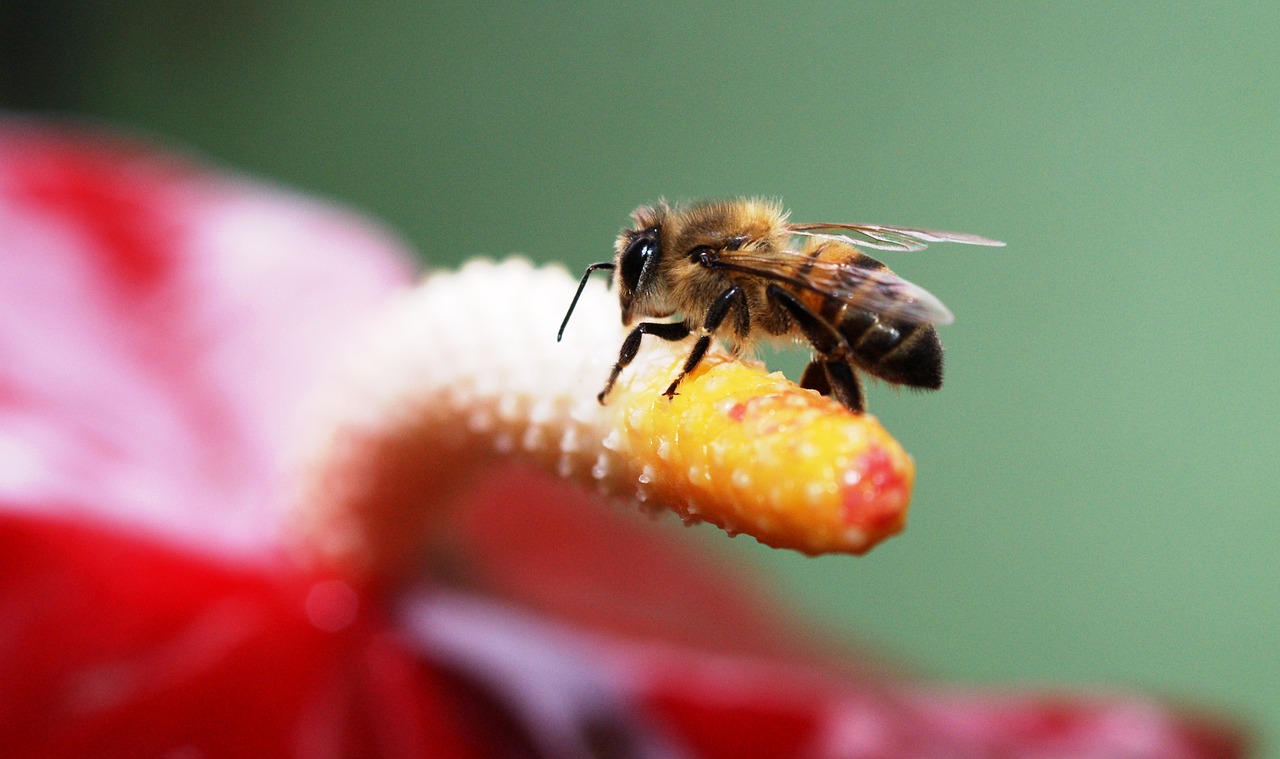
{"x": 739, "y": 269}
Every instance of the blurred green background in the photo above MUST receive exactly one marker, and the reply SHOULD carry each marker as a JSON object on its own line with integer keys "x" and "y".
{"x": 1097, "y": 499}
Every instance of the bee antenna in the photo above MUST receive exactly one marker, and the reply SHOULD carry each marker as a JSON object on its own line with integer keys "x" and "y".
{"x": 607, "y": 266}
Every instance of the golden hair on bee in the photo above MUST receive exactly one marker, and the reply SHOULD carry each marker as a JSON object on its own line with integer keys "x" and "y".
{"x": 733, "y": 269}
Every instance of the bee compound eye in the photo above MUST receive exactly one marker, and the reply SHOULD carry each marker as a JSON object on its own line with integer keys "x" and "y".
{"x": 634, "y": 259}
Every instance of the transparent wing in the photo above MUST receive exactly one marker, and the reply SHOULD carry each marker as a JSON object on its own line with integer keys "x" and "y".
{"x": 880, "y": 237}
{"x": 877, "y": 290}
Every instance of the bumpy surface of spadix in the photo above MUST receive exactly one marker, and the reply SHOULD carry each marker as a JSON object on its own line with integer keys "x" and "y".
{"x": 465, "y": 371}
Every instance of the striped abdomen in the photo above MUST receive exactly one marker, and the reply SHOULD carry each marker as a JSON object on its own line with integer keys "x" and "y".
{"x": 899, "y": 352}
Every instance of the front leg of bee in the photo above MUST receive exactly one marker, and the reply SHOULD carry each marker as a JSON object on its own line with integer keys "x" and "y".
{"x": 630, "y": 346}
{"x": 715, "y": 317}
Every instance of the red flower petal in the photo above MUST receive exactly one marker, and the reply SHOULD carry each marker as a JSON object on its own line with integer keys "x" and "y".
{"x": 116, "y": 646}
{"x": 551, "y": 548}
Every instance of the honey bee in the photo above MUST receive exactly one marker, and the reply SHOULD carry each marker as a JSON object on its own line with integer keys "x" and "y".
{"x": 732, "y": 268}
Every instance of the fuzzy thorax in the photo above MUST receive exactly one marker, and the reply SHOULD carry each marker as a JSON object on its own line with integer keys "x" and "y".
{"x": 464, "y": 373}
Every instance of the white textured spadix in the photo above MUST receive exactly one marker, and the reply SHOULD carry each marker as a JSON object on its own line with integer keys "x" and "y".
{"x": 464, "y": 372}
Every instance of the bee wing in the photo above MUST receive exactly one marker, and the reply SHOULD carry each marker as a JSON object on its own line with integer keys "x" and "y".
{"x": 878, "y": 290}
{"x": 880, "y": 237}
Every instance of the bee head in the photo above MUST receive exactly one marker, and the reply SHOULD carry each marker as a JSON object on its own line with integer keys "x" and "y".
{"x": 639, "y": 252}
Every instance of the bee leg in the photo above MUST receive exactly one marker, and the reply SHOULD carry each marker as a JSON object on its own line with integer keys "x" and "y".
{"x": 715, "y": 317}
{"x": 828, "y": 373}
{"x": 630, "y": 346}
{"x": 844, "y": 385}
{"x": 834, "y": 379}
{"x": 815, "y": 377}
{"x": 825, "y": 339}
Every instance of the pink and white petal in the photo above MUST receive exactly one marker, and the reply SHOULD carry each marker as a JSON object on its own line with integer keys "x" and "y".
{"x": 159, "y": 322}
